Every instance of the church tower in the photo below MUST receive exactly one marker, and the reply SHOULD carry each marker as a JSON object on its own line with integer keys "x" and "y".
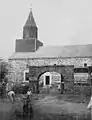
{"x": 30, "y": 42}
{"x": 30, "y": 27}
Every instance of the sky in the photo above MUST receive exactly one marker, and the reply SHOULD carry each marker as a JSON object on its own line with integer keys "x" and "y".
{"x": 60, "y": 22}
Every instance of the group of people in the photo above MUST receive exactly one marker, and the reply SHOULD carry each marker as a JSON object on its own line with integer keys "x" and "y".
{"x": 27, "y": 105}
{"x": 11, "y": 95}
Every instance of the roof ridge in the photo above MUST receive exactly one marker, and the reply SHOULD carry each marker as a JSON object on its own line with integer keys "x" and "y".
{"x": 66, "y": 45}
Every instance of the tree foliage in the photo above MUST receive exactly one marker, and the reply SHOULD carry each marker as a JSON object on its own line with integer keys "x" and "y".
{"x": 3, "y": 71}
{"x": 3, "y": 77}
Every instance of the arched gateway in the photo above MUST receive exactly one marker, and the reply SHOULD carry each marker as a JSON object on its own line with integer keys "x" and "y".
{"x": 66, "y": 72}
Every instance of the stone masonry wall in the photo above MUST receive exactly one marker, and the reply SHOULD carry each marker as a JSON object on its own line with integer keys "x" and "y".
{"x": 18, "y": 66}
{"x": 16, "y": 70}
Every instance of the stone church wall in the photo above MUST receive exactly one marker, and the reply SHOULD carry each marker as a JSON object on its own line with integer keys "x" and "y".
{"x": 16, "y": 70}
{"x": 18, "y": 66}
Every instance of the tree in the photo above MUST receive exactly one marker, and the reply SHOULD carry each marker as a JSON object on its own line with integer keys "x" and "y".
{"x": 3, "y": 71}
{"x": 3, "y": 77}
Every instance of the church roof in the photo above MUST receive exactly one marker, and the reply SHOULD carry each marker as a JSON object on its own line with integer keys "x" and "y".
{"x": 30, "y": 20}
{"x": 56, "y": 51}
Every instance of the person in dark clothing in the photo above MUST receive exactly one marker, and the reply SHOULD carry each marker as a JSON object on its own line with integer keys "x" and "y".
{"x": 27, "y": 109}
{"x": 62, "y": 84}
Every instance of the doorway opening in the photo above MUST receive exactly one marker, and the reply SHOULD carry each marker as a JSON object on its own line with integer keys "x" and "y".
{"x": 47, "y": 80}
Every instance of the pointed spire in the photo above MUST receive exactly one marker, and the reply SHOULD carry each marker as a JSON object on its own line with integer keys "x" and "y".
{"x": 31, "y": 7}
{"x": 30, "y": 20}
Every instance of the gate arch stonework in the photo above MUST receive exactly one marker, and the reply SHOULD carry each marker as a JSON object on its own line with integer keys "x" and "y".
{"x": 66, "y": 72}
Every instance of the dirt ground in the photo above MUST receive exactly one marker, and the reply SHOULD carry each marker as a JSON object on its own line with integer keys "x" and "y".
{"x": 44, "y": 105}
{"x": 50, "y": 104}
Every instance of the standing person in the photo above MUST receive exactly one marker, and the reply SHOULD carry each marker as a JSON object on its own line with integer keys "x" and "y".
{"x": 27, "y": 110}
{"x": 27, "y": 106}
{"x": 11, "y": 95}
{"x": 90, "y": 103}
{"x": 59, "y": 87}
{"x": 29, "y": 95}
{"x": 90, "y": 106}
{"x": 62, "y": 84}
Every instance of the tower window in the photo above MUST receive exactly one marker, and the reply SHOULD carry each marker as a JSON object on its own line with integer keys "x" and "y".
{"x": 85, "y": 64}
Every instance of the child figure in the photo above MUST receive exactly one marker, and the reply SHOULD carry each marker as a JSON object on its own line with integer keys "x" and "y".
{"x": 29, "y": 95}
